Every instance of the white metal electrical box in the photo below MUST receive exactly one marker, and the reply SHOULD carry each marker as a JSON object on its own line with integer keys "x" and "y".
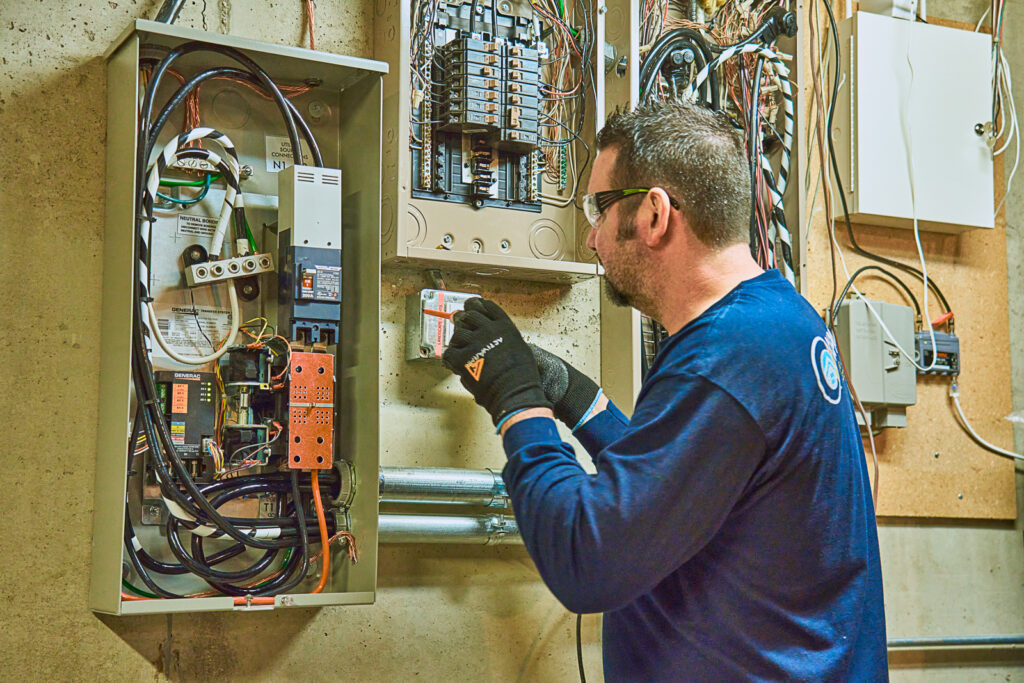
{"x": 905, "y": 125}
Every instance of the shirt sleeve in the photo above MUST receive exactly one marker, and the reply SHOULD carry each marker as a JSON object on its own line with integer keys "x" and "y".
{"x": 602, "y": 429}
{"x": 662, "y": 490}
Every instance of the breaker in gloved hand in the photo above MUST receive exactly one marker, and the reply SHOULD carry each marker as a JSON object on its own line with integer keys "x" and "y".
{"x": 728, "y": 532}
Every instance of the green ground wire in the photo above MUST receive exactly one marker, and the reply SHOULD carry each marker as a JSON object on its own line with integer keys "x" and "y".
{"x": 137, "y": 591}
{"x": 187, "y": 202}
{"x": 248, "y": 234}
{"x": 169, "y": 182}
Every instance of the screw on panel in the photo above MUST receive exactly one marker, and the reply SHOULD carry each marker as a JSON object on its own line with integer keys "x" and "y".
{"x": 505, "y": 245}
{"x": 960, "y": 496}
{"x": 936, "y": 454}
{"x": 246, "y": 171}
{"x": 448, "y": 239}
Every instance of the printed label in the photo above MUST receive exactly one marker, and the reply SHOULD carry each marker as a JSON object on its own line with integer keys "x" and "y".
{"x": 196, "y": 226}
{"x": 179, "y": 398}
{"x": 279, "y": 153}
{"x": 183, "y": 327}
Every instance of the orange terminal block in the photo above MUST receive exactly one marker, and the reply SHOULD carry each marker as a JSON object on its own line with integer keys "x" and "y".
{"x": 311, "y": 411}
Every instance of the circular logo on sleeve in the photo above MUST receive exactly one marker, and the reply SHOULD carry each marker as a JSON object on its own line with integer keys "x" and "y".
{"x": 825, "y": 362}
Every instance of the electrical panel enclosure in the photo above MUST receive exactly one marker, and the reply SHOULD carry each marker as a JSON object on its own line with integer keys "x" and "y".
{"x": 907, "y": 124}
{"x": 335, "y": 411}
{"x": 478, "y": 178}
{"x": 885, "y": 380}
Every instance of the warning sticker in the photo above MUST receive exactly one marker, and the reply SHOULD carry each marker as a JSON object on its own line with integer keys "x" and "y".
{"x": 191, "y": 331}
{"x": 320, "y": 283}
{"x": 279, "y": 153}
{"x": 178, "y": 433}
{"x": 196, "y": 226}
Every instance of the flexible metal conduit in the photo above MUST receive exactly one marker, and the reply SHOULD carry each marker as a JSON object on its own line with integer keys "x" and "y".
{"x": 442, "y": 485}
{"x": 965, "y": 641}
{"x": 463, "y": 529}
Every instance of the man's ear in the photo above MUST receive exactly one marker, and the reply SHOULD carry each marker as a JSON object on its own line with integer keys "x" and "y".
{"x": 652, "y": 218}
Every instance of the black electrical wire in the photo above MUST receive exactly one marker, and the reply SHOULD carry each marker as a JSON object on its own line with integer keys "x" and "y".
{"x": 647, "y": 86}
{"x": 157, "y": 431}
{"x": 838, "y": 179}
{"x": 579, "y": 647}
{"x": 494, "y": 18}
{"x": 664, "y": 46}
{"x": 753, "y": 128}
{"x": 221, "y": 72}
{"x": 472, "y": 16}
{"x": 902, "y": 285}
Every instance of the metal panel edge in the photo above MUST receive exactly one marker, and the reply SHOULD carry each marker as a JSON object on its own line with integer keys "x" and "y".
{"x": 115, "y": 350}
{"x": 262, "y": 47}
{"x": 620, "y": 326}
{"x": 359, "y": 378}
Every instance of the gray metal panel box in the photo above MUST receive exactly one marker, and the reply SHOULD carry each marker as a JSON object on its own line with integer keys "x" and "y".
{"x": 884, "y": 379}
{"x": 350, "y": 140}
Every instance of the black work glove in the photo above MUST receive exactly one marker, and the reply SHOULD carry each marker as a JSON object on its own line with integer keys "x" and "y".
{"x": 489, "y": 355}
{"x": 571, "y": 392}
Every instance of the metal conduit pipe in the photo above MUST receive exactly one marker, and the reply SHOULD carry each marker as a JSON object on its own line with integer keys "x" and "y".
{"x": 442, "y": 485}
{"x": 963, "y": 641}
{"x": 467, "y": 529}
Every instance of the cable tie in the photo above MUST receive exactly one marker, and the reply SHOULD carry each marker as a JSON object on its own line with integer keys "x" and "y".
{"x": 146, "y": 299}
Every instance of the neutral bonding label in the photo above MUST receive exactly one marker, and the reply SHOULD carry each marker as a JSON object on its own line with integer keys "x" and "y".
{"x": 279, "y": 153}
{"x": 195, "y": 226}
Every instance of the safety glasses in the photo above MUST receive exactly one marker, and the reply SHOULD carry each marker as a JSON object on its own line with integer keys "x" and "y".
{"x": 598, "y": 202}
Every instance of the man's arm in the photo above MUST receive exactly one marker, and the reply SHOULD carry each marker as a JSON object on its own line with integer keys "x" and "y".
{"x": 661, "y": 492}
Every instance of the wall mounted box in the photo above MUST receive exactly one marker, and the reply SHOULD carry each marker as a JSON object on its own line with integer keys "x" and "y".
{"x": 923, "y": 88}
{"x": 349, "y": 135}
{"x": 549, "y": 245}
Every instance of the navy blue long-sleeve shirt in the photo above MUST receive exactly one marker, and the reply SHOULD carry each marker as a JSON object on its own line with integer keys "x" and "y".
{"x": 729, "y": 531}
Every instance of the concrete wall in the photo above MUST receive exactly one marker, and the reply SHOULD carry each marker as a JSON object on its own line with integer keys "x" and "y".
{"x": 480, "y": 614}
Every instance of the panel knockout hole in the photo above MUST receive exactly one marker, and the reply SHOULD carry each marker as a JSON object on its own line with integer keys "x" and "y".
{"x": 319, "y": 458}
{"x": 320, "y": 370}
{"x": 298, "y": 439}
{"x": 296, "y": 459}
{"x": 298, "y": 368}
{"x": 319, "y": 439}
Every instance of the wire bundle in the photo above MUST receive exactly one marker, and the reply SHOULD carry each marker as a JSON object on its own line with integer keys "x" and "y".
{"x": 691, "y": 60}
{"x": 194, "y": 508}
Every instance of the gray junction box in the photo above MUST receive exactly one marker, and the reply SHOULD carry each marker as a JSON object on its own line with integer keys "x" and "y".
{"x": 884, "y": 379}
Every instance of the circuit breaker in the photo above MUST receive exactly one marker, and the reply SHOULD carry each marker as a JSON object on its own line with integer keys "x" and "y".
{"x": 239, "y": 382}
{"x": 883, "y": 377}
{"x": 490, "y": 131}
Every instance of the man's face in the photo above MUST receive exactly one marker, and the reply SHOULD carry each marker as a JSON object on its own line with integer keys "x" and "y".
{"x": 614, "y": 238}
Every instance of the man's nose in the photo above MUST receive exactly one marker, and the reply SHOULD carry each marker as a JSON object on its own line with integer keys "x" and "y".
{"x": 591, "y": 240}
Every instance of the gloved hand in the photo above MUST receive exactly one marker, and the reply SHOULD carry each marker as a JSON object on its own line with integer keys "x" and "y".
{"x": 489, "y": 355}
{"x": 571, "y": 392}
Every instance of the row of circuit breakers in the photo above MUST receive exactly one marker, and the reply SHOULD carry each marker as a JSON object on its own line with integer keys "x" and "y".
{"x": 479, "y": 118}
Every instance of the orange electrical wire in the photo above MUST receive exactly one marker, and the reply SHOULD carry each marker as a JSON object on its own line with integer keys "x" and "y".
{"x": 324, "y": 539}
{"x": 309, "y": 14}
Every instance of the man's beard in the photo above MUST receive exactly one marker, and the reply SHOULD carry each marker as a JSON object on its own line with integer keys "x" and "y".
{"x": 623, "y": 282}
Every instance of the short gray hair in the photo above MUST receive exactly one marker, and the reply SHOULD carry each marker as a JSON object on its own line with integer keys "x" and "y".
{"x": 696, "y": 155}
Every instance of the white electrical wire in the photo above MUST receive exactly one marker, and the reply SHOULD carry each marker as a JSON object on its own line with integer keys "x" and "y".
{"x": 908, "y": 138}
{"x": 232, "y": 199}
{"x": 954, "y": 393}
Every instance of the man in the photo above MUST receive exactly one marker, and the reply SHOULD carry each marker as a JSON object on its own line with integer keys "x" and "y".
{"x": 729, "y": 530}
